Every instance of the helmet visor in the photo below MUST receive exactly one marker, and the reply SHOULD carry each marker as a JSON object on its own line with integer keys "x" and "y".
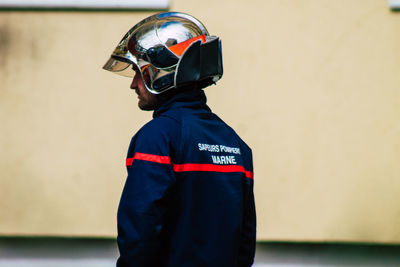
{"x": 120, "y": 66}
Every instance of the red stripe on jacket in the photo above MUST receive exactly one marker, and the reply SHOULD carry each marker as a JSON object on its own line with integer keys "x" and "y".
{"x": 189, "y": 166}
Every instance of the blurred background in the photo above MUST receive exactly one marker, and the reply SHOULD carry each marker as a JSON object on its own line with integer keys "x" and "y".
{"x": 313, "y": 86}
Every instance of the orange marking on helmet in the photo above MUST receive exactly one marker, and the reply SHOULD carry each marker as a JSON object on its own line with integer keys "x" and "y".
{"x": 144, "y": 67}
{"x": 178, "y": 49}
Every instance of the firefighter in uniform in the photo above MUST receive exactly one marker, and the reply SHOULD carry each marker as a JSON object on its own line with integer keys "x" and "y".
{"x": 188, "y": 198}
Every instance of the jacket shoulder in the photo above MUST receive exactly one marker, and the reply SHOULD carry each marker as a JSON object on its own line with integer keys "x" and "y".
{"x": 161, "y": 124}
{"x": 241, "y": 141}
{"x": 157, "y": 137}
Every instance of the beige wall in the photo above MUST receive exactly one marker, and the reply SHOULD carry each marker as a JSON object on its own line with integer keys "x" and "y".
{"x": 312, "y": 86}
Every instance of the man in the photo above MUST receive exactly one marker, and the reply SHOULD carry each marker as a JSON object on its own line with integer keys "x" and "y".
{"x": 188, "y": 198}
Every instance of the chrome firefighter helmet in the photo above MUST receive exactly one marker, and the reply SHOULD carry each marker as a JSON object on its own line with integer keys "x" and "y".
{"x": 169, "y": 50}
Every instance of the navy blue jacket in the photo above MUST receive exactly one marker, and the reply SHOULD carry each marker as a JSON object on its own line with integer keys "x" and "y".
{"x": 188, "y": 198}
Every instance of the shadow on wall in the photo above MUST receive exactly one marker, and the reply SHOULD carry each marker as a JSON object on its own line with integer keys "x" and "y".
{"x": 57, "y": 252}
{"x": 63, "y": 252}
{"x": 326, "y": 254}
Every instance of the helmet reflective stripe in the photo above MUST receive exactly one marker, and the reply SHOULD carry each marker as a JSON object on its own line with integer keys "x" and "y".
{"x": 178, "y": 49}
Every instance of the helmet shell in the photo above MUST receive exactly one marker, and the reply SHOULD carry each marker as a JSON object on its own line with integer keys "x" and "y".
{"x": 160, "y": 45}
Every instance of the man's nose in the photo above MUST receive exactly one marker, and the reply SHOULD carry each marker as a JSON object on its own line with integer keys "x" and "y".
{"x": 134, "y": 81}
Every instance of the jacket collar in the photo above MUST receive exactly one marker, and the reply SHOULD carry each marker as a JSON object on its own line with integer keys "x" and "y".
{"x": 193, "y": 99}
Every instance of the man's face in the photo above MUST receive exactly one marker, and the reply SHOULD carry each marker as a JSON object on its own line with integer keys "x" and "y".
{"x": 147, "y": 101}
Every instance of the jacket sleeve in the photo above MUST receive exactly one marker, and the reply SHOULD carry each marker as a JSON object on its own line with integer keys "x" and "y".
{"x": 248, "y": 235}
{"x": 144, "y": 198}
